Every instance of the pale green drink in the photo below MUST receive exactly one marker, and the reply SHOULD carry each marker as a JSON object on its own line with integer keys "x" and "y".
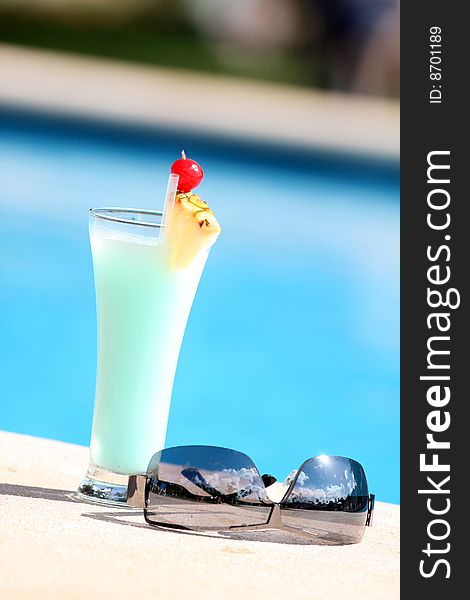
{"x": 143, "y": 303}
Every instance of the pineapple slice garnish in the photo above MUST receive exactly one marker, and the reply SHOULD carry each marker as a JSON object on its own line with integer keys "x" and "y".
{"x": 191, "y": 228}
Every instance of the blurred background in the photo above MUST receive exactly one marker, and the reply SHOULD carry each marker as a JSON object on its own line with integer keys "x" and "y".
{"x": 291, "y": 108}
{"x": 343, "y": 44}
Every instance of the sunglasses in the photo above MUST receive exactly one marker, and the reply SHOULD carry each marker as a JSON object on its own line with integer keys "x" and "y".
{"x": 204, "y": 488}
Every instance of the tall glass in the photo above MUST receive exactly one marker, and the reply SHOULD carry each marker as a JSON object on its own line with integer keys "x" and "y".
{"x": 143, "y": 304}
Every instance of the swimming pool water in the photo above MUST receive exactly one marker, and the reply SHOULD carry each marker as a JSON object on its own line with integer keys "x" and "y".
{"x": 292, "y": 346}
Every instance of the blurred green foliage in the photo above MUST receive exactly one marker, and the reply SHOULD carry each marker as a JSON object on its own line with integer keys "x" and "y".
{"x": 145, "y": 37}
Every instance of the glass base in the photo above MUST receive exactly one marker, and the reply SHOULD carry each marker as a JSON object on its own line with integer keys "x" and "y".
{"x": 104, "y": 487}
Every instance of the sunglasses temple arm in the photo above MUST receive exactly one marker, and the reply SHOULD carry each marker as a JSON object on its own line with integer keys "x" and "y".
{"x": 370, "y": 510}
{"x": 136, "y": 491}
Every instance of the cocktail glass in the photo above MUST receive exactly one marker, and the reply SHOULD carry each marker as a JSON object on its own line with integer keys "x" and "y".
{"x": 143, "y": 304}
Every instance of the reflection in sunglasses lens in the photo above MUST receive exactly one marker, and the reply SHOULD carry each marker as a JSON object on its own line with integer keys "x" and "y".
{"x": 329, "y": 499}
{"x": 205, "y": 488}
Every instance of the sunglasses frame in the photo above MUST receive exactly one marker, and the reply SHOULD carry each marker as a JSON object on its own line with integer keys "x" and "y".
{"x": 137, "y": 496}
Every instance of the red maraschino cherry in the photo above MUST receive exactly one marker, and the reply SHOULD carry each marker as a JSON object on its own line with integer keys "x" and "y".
{"x": 189, "y": 171}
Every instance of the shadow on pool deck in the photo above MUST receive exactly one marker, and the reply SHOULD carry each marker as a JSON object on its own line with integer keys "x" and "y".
{"x": 116, "y": 517}
{"x": 27, "y": 491}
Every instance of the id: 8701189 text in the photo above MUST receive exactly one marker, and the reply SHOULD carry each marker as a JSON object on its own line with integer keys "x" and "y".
{"x": 435, "y": 62}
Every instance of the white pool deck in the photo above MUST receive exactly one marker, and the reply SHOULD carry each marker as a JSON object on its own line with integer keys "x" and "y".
{"x": 188, "y": 101}
{"x": 52, "y": 546}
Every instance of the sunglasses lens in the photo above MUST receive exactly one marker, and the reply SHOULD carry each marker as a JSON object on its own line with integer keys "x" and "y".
{"x": 204, "y": 488}
{"x": 329, "y": 499}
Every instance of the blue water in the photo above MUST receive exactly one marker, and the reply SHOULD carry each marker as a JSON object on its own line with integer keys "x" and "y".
{"x": 292, "y": 345}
